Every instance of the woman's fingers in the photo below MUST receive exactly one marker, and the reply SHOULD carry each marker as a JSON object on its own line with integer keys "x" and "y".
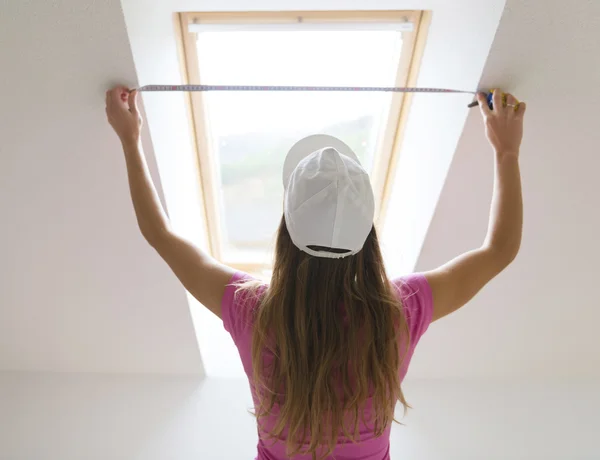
{"x": 511, "y": 102}
{"x": 483, "y": 104}
{"x": 497, "y": 101}
{"x": 117, "y": 97}
{"x": 133, "y": 102}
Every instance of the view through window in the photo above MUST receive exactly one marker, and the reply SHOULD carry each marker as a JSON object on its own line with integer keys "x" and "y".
{"x": 250, "y": 133}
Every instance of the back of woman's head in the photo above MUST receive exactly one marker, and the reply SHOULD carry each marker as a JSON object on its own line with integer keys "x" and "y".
{"x": 333, "y": 329}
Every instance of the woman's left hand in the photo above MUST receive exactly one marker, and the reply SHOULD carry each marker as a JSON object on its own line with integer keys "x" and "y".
{"x": 122, "y": 113}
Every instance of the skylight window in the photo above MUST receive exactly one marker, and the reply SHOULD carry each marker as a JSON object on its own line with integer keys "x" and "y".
{"x": 243, "y": 137}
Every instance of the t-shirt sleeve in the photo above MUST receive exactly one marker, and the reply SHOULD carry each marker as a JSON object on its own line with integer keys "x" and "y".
{"x": 237, "y": 307}
{"x": 417, "y": 299}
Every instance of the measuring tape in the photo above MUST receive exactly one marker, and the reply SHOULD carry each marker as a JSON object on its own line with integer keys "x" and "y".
{"x": 388, "y": 89}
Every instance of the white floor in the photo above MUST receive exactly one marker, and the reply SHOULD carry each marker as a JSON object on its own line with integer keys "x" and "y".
{"x": 76, "y": 417}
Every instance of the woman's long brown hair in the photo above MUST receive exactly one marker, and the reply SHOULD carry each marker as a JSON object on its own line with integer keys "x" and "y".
{"x": 333, "y": 330}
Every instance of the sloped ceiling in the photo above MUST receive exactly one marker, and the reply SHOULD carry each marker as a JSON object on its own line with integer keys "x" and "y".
{"x": 80, "y": 289}
{"x": 540, "y": 318}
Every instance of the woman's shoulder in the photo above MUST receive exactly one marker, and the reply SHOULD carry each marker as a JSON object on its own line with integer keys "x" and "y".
{"x": 412, "y": 285}
{"x": 248, "y": 290}
{"x": 241, "y": 297}
{"x": 415, "y": 294}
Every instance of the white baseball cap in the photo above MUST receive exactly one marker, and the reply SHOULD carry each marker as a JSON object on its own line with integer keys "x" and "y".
{"x": 329, "y": 201}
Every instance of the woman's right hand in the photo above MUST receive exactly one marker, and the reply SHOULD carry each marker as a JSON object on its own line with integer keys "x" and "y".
{"x": 503, "y": 124}
{"x": 123, "y": 114}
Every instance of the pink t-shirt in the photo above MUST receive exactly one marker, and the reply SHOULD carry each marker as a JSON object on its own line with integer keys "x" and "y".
{"x": 238, "y": 319}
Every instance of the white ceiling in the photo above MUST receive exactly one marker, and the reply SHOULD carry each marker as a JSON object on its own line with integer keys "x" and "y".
{"x": 81, "y": 291}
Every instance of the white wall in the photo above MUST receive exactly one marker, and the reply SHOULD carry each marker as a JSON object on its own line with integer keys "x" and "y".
{"x": 79, "y": 288}
{"x": 92, "y": 417}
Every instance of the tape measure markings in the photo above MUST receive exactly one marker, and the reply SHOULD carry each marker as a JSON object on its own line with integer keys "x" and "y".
{"x": 390, "y": 89}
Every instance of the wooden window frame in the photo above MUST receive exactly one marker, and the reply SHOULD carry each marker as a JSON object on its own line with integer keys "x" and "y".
{"x": 386, "y": 156}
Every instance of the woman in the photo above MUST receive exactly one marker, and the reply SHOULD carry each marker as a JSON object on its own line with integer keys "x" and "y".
{"x": 327, "y": 343}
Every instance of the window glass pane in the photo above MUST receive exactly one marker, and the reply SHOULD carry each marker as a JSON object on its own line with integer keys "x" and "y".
{"x": 251, "y": 132}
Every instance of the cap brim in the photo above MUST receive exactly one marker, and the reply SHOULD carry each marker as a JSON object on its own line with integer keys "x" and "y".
{"x": 310, "y": 144}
